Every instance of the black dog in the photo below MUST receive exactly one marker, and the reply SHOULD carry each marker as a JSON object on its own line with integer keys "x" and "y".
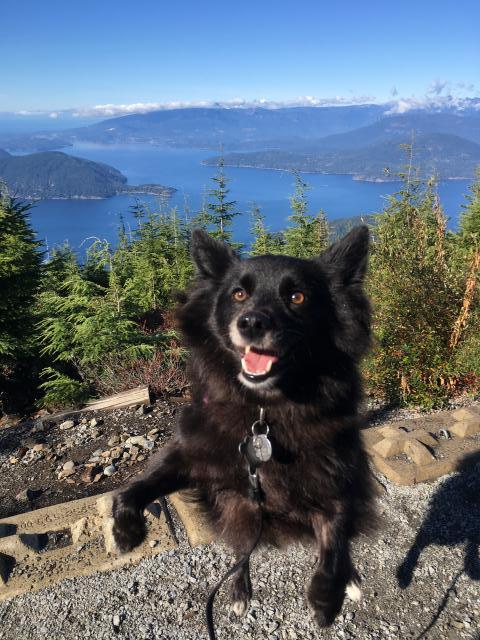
{"x": 285, "y": 334}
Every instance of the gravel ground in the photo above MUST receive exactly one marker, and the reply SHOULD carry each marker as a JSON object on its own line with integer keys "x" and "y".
{"x": 164, "y": 597}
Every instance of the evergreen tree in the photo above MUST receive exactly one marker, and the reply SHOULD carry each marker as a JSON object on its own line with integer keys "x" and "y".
{"x": 307, "y": 235}
{"x": 465, "y": 337}
{"x": 20, "y": 263}
{"x": 413, "y": 284}
{"x": 470, "y": 217}
{"x": 264, "y": 241}
{"x": 221, "y": 211}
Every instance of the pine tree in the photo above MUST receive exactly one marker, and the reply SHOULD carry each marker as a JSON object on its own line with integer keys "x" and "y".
{"x": 20, "y": 264}
{"x": 221, "y": 211}
{"x": 465, "y": 337}
{"x": 307, "y": 235}
{"x": 470, "y": 217}
{"x": 264, "y": 241}
{"x": 413, "y": 283}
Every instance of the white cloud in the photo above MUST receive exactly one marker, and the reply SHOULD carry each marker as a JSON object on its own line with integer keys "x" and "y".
{"x": 111, "y": 109}
{"x": 437, "y": 87}
{"x": 435, "y": 97}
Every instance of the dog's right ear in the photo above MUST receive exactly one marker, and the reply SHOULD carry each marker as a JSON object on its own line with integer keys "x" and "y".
{"x": 212, "y": 257}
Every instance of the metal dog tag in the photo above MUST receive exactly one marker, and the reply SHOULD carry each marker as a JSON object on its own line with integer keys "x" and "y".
{"x": 262, "y": 447}
{"x": 257, "y": 450}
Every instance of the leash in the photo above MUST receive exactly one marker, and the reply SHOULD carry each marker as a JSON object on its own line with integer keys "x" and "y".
{"x": 256, "y": 450}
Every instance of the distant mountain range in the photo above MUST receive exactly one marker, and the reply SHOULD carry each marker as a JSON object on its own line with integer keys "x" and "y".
{"x": 54, "y": 174}
{"x": 205, "y": 128}
{"x": 361, "y": 140}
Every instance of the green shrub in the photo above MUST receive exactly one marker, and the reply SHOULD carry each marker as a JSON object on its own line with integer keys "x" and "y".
{"x": 417, "y": 282}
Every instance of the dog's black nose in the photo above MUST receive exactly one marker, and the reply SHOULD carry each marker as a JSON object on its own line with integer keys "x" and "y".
{"x": 254, "y": 324}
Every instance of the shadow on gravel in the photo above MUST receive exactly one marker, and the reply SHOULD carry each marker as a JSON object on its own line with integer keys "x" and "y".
{"x": 453, "y": 518}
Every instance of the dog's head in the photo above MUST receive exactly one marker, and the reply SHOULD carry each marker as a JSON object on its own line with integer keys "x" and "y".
{"x": 277, "y": 325}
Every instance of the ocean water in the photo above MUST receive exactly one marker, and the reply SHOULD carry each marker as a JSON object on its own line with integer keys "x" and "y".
{"x": 78, "y": 221}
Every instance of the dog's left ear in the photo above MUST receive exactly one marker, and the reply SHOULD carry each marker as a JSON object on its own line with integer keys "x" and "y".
{"x": 212, "y": 257}
{"x": 349, "y": 256}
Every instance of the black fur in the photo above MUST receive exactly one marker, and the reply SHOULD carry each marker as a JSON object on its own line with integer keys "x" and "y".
{"x": 317, "y": 485}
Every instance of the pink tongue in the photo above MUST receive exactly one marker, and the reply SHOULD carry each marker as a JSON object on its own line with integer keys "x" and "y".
{"x": 257, "y": 362}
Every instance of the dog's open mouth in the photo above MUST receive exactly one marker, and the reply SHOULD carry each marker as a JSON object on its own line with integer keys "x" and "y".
{"x": 257, "y": 364}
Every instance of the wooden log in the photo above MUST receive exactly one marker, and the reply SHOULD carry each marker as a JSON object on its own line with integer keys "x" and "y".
{"x": 139, "y": 395}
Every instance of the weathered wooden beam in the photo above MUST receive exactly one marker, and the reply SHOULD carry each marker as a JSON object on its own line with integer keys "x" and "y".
{"x": 139, "y": 395}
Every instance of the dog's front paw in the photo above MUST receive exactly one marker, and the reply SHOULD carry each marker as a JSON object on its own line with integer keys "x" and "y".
{"x": 240, "y": 594}
{"x": 325, "y": 600}
{"x": 129, "y": 528}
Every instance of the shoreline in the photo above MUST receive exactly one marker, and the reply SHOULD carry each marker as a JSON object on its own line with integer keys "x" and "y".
{"x": 167, "y": 192}
{"x": 354, "y": 176}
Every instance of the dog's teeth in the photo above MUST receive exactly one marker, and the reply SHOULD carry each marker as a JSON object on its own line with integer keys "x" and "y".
{"x": 269, "y": 366}
{"x": 247, "y": 349}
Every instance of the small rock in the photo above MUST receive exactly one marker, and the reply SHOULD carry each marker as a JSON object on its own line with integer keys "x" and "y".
{"x": 116, "y": 621}
{"x": 113, "y": 441}
{"x": 457, "y": 624}
{"x": 140, "y": 441}
{"x": 68, "y": 424}
{"x": 110, "y": 470}
{"x": 98, "y": 477}
{"x": 38, "y": 447}
{"x": 38, "y": 425}
{"x": 69, "y": 466}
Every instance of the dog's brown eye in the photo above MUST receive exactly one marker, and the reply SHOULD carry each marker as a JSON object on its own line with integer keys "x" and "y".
{"x": 239, "y": 295}
{"x": 297, "y": 297}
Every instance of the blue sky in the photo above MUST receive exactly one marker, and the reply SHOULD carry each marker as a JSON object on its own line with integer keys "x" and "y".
{"x": 62, "y": 54}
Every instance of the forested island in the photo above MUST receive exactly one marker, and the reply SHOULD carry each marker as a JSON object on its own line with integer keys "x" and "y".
{"x": 53, "y": 174}
{"x": 447, "y": 156}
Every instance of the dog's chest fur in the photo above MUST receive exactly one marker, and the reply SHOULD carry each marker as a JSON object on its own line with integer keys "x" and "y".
{"x": 312, "y": 466}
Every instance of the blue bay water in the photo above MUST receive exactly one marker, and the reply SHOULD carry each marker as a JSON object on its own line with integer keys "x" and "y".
{"x": 75, "y": 221}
